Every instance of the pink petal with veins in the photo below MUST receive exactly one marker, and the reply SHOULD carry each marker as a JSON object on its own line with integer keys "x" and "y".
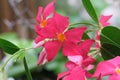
{"x": 104, "y": 20}
{"x": 42, "y": 57}
{"x": 48, "y": 9}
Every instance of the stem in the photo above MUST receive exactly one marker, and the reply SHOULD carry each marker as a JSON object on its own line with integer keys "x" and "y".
{"x": 27, "y": 48}
{"x": 91, "y": 30}
{"x": 82, "y": 23}
{"x": 3, "y": 66}
{"x": 13, "y": 56}
{"x": 29, "y": 77}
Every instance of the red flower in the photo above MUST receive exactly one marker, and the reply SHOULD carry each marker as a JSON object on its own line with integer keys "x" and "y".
{"x": 103, "y": 21}
{"x": 110, "y": 67}
{"x": 77, "y": 73}
{"x": 60, "y": 36}
{"x": 42, "y": 57}
{"x": 42, "y": 15}
{"x": 43, "y": 18}
{"x": 81, "y": 62}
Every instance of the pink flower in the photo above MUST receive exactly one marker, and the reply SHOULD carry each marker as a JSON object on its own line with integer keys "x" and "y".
{"x": 85, "y": 64}
{"x": 42, "y": 57}
{"x": 110, "y": 67}
{"x": 75, "y": 67}
{"x": 83, "y": 59}
{"x": 43, "y": 18}
{"x": 115, "y": 77}
{"x": 61, "y": 37}
{"x": 84, "y": 47}
{"x": 76, "y": 73}
{"x": 103, "y": 21}
{"x": 100, "y": 77}
{"x": 79, "y": 61}
{"x": 42, "y": 15}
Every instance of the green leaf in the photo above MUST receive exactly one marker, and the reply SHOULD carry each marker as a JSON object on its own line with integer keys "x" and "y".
{"x": 109, "y": 51}
{"x": 18, "y": 69}
{"x": 29, "y": 77}
{"x": 110, "y": 35}
{"x": 15, "y": 56}
{"x": 85, "y": 36}
{"x": 8, "y": 47}
{"x": 110, "y": 42}
{"x": 90, "y": 9}
{"x": 81, "y": 23}
{"x": 20, "y": 54}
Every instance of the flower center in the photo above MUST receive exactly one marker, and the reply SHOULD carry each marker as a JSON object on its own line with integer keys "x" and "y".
{"x": 61, "y": 37}
{"x": 118, "y": 70}
{"x": 43, "y": 23}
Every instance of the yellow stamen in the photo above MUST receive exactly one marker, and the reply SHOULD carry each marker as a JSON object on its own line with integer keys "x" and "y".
{"x": 61, "y": 37}
{"x": 43, "y": 23}
{"x": 118, "y": 70}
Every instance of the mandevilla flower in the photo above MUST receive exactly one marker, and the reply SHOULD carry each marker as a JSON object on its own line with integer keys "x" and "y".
{"x": 42, "y": 57}
{"x": 60, "y": 36}
{"x": 83, "y": 59}
{"x": 84, "y": 47}
{"x": 103, "y": 22}
{"x": 42, "y": 15}
{"x": 43, "y": 18}
{"x": 79, "y": 61}
{"x": 77, "y": 73}
{"x": 109, "y": 68}
{"x": 100, "y": 77}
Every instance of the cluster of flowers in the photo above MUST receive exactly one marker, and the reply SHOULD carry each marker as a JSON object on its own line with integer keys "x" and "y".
{"x": 53, "y": 34}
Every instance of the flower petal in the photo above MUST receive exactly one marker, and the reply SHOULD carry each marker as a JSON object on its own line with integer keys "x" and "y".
{"x": 84, "y": 47}
{"x": 77, "y": 59}
{"x": 88, "y": 74}
{"x": 52, "y": 49}
{"x": 39, "y": 44}
{"x": 97, "y": 35}
{"x": 70, "y": 65}
{"x": 63, "y": 74}
{"x": 42, "y": 57}
{"x": 77, "y": 74}
{"x": 37, "y": 29}
{"x": 38, "y": 39}
{"x": 97, "y": 45}
{"x": 115, "y": 61}
{"x": 62, "y": 22}
{"x": 104, "y": 68}
{"x": 67, "y": 78}
{"x": 114, "y": 77}
{"x": 49, "y": 31}
{"x": 100, "y": 77}
{"x": 87, "y": 61}
{"x": 75, "y": 34}
{"x": 48, "y": 9}
{"x": 38, "y": 17}
{"x": 70, "y": 49}
{"x": 89, "y": 67}
{"x": 104, "y": 20}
